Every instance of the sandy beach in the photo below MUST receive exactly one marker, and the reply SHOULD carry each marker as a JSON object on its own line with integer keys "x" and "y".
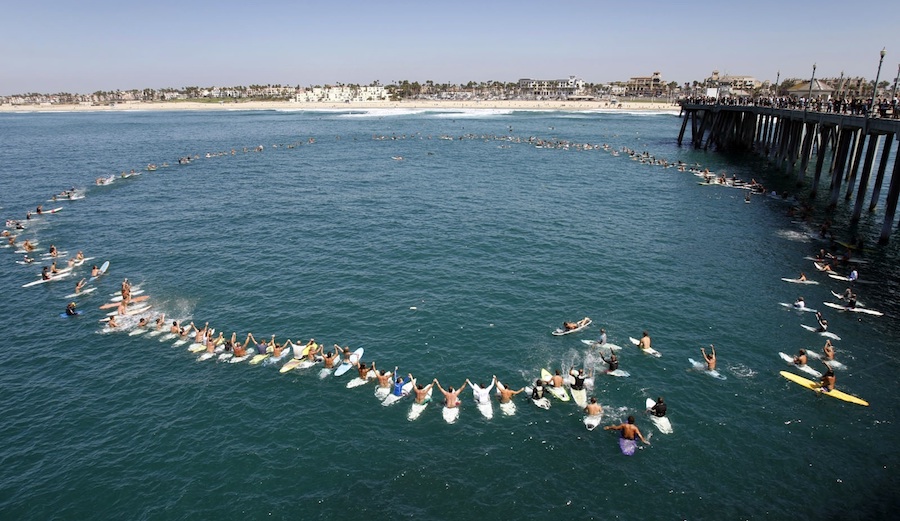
{"x": 412, "y": 105}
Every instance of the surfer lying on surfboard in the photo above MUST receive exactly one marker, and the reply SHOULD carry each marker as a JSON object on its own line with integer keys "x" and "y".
{"x": 629, "y": 430}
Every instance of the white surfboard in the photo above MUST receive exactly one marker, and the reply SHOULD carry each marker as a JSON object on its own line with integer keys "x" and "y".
{"x": 798, "y": 281}
{"x": 592, "y": 421}
{"x": 700, "y": 366}
{"x": 392, "y": 398}
{"x": 416, "y": 409}
{"x": 803, "y": 367}
{"x": 594, "y": 343}
{"x": 649, "y": 350}
{"x": 826, "y": 334}
{"x": 661, "y": 422}
{"x": 857, "y": 309}
{"x": 451, "y": 414}
{"x": 797, "y": 308}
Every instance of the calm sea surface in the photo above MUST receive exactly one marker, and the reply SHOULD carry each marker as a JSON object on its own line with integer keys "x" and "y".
{"x": 455, "y": 262}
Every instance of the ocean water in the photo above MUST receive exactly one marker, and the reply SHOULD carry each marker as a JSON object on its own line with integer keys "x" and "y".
{"x": 455, "y": 262}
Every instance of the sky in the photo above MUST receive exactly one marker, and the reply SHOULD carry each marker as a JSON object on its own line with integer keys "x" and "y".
{"x": 82, "y": 47}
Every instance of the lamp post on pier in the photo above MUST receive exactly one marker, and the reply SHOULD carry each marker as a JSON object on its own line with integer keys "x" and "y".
{"x": 809, "y": 94}
{"x": 777, "y": 77}
{"x": 875, "y": 86}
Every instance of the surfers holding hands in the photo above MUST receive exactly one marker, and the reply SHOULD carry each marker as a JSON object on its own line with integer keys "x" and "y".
{"x": 451, "y": 395}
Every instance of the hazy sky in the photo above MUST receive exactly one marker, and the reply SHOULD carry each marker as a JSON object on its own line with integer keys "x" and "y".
{"x": 82, "y": 47}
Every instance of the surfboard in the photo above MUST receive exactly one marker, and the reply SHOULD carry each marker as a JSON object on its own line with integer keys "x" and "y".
{"x": 290, "y": 365}
{"x": 700, "y": 366}
{"x": 118, "y": 298}
{"x": 416, "y": 409}
{"x": 451, "y": 414}
{"x": 103, "y": 268}
{"x": 649, "y": 351}
{"x": 592, "y": 421}
{"x": 239, "y": 359}
{"x": 137, "y": 331}
{"x": 662, "y": 423}
{"x": 392, "y": 398}
{"x": 814, "y": 386}
{"x": 66, "y": 315}
{"x": 345, "y": 366}
{"x": 618, "y": 372}
{"x": 224, "y": 357}
{"x": 205, "y": 356}
{"x": 797, "y": 308}
{"x": 594, "y": 343}
{"x": 508, "y": 408}
{"x": 258, "y": 358}
{"x": 42, "y": 281}
{"x": 156, "y": 332}
{"x": 826, "y": 334}
{"x": 803, "y": 367}
{"x": 579, "y": 396}
{"x": 834, "y": 364}
{"x": 356, "y": 382}
{"x": 559, "y": 393}
{"x": 561, "y": 332}
{"x": 627, "y": 446}
{"x": 196, "y": 347}
{"x": 798, "y": 281}
{"x": 486, "y": 409}
{"x": 83, "y": 292}
{"x": 855, "y": 310}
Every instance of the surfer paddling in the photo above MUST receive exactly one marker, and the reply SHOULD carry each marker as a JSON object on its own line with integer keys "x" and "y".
{"x": 710, "y": 358}
{"x": 422, "y": 396}
{"x": 629, "y": 430}
{"x": 569, "y": 326}
{"x": 593, "y": 408}
{"x": 828, "y": 379}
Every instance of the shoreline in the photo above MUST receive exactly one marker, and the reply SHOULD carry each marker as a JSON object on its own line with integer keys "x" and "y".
{"x": 600, "y": 106}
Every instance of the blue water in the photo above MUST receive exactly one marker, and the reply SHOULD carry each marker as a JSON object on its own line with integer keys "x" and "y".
{"x": 495, "y": 243}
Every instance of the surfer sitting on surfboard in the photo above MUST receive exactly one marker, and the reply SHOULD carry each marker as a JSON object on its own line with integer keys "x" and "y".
{"x": 451, "y": 396}
{"x": 422, "y": 393}
{"x": 710, "y": 358}
{"x": 593, "y": 408}
{"x": 800, "y": 359}
{"x": 612, "y": 362}
{"x": 506, "y": 393}
{"x": 828, "y": 379}
{"x": 659, "y": 408}
{"x": 823, "y": 324}
{"x": 70, "y": 309}
{"x": 537, "y": 392}
{"x": 629, "y": 430}
{"x": 645, "y": 341}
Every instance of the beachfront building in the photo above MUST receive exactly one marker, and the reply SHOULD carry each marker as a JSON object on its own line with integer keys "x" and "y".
{"x": 551, "y": 89}
{"x": 820, "y": 90}
{"x": 732, "y": 85}
{"x": 342, "y": 94}
{"x": 645, "y": 85}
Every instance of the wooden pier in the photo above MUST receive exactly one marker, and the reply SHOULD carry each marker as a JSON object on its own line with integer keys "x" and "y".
{"x": 791, "y": 138}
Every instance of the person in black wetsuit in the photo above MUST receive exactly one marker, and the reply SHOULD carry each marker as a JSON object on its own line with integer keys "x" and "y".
{"x": 70, "y": 309}
{"x": 659, "y": 409}
{"x": 612, "y": 361}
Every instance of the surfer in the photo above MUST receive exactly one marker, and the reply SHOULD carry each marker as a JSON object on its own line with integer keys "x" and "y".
{"x": 644, "y": 343}
{"x": 398, "y": 385}
{"x": 160, "y": 321}
{"x": 710, "y": 358}
{"x": 451, "y": 395}
{"x": 823, "y": 324}
{"x": 828, "y": 349}
{"x": 95, "y": 271}
{"x": 800, "y": 303}
{"x": 802, "y": 277}
{"x": 593, "y": 408}
{"x": 612, "y": 361}
{"x": 800, "y": 359}
{"x": 602, "y": 339}
{"x": 537, "y": 392}
{"x": 481, "y": 393}
{"x": 45, "y": 273}
{"x": 568, "y": 326}
{"x": 112, "y": 322}
{"x": 329, "y": 358}
{"x": 851, "y": 301}
{"x": 363, "y": 370}
{"x": 853, "y": 275}
{"x": 384, "y": 379}
{"x": 70, "y": 309}
{"x": 828, "y": 379}
{"x": 506, "y": 393}
{"x": 556, "y": 380}
{"x": 659, "y": 408}
{"x": 629, "y": 430}
{"x": 579, "y": 378}
{"x": 53, "y": 251}
{"x": 422, "y": 393}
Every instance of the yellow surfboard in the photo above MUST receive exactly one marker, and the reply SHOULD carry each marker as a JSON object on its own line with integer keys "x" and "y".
{"x": 815, "y": 386}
